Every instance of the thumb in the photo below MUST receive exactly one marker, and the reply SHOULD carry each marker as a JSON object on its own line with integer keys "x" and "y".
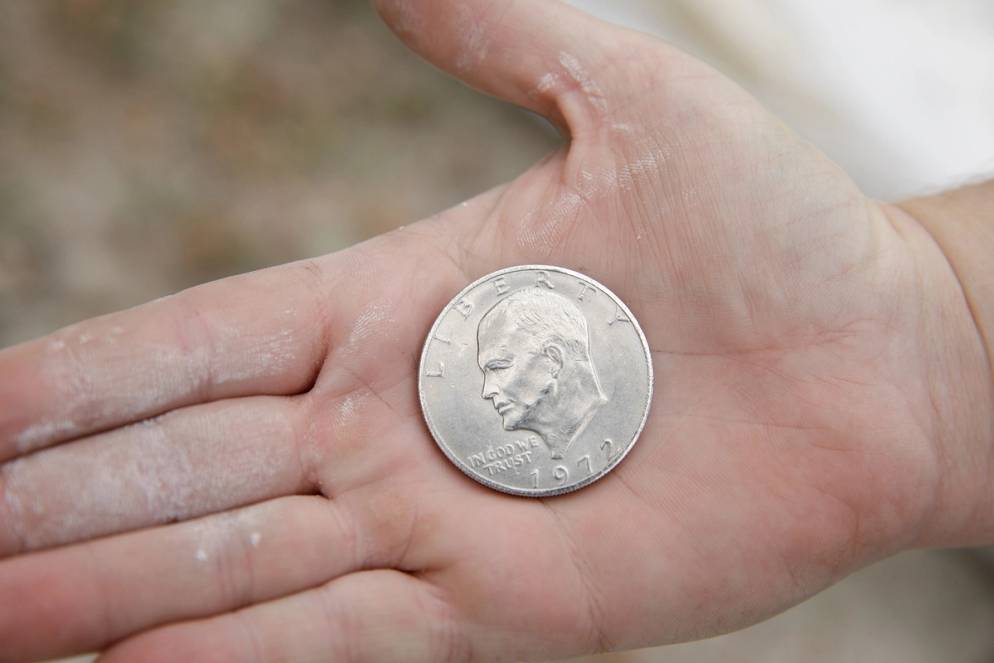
{"x": 540, "y": 54}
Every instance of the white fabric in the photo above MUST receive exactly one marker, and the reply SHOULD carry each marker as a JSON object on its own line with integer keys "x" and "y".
{"x": 899, "y": 92}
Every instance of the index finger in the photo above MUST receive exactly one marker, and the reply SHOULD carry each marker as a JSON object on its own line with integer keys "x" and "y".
{"x": 255, "y": 334}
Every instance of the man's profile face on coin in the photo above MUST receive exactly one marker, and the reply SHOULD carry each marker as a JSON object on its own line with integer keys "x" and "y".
{"x": 533, "y": 351}
{"x": 517, "y": 375}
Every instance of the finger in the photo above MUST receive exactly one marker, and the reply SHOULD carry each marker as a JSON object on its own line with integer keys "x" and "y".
{"x": 83, "y": 597}
{"x": 187, "y": 463}
{"x": 524, "y": 52}
{"x": 207, "y": 343}
{"x": 377, "y": 616}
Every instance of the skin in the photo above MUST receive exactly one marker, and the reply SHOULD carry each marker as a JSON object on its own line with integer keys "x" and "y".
{"x": 824, "y": 400}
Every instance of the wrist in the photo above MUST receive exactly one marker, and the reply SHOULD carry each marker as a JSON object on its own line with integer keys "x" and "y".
{"x": 961, "y": 223}
{"x": 952, "y": 238}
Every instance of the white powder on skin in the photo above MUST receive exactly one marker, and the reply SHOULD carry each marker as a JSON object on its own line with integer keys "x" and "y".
{"x": 164, "y": 374}
{"x": 249, "y": 355}
{"x": 347, "y": 410}
{"x": 545, "y": 234}
{"x": 205, "y": 538}
{"x": 632, "y": 170}
{"x": 39, "y": 435}
{"x": 547, "y": 83}
{"x": 174, "y": 468}
{"x": 476, "y": 41}
{"x": 211, "y": 537}
{"x": 591, "y": 187}
{"x": 96, "y": 380}
{"x": 367, "y": 324}
{"x": 84, "y": 374}
{"x": 586, "y": 84}
{"x": 270, "y": 356}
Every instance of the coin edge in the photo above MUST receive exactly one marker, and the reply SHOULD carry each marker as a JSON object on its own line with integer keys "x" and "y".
{"x": 535, "y": 492}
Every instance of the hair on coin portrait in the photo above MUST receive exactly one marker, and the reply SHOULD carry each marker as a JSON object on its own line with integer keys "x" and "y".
{"x": 534, "y": 351}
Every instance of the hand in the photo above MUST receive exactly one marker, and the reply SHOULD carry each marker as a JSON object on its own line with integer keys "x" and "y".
{"x": 821, "y": 399}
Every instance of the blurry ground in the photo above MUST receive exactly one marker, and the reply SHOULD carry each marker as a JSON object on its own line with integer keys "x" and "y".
{"x": 148, "y": 146}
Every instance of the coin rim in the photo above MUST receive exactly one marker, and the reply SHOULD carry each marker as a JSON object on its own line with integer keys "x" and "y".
{"x": 533, "y": 492}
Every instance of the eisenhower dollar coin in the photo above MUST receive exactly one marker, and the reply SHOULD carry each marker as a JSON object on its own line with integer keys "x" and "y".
{"x": 535, "y": 380}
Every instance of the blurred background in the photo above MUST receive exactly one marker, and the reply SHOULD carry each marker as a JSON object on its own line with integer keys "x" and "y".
{"x": 149, "y": 146}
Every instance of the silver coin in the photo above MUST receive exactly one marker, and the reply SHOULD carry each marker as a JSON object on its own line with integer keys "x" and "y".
{"x": 535, "y": 380}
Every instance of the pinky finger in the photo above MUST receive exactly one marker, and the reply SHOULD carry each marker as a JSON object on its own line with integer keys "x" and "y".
{"x": 377, "y": 616}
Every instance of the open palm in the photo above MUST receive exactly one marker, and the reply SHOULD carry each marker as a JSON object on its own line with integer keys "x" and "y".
{"x": 286, "y": 502}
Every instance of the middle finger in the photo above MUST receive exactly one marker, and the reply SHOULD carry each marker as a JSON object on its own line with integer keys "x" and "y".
{"x": 187, "y": 463}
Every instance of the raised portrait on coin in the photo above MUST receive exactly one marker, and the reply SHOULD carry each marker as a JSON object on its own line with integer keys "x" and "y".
{"x": 534, "y": 352}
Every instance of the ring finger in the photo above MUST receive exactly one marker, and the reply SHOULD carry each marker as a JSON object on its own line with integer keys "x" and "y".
{"x": 83, "y": 597}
